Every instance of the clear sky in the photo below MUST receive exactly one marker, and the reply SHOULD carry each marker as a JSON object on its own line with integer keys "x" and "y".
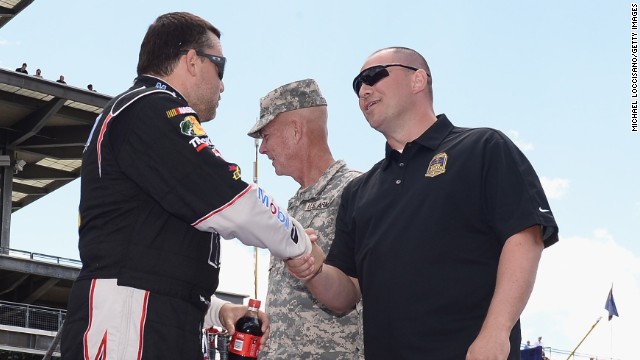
{"x": 553, "y": 75}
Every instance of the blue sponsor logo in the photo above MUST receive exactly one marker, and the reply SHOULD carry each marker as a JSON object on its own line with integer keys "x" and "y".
{"x": 282, "y": 216}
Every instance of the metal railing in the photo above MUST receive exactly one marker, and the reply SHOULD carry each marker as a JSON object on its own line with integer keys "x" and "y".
{"x": 30, "y": 316}
{"x": 40, "y": 257}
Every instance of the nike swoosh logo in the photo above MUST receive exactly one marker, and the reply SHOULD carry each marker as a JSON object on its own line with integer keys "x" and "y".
{"x": 543, "y": 210}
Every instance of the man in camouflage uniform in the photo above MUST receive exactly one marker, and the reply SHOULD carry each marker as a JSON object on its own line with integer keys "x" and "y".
{"x": 293, "y": 128}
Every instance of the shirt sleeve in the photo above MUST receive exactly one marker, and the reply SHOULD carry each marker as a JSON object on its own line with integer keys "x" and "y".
{"x": 162, "y": 147}
{"x": 514, "y": 197}
{"x": 213, "y": 313}
{"x": 342, "y": 251}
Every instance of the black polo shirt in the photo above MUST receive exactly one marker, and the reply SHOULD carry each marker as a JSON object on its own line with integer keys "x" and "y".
{"x": 423, "y": 230}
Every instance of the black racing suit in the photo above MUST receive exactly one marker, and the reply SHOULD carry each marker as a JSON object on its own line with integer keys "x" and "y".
{"x": 155, "y": 198}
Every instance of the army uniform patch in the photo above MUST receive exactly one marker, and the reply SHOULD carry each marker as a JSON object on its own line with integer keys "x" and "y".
{"x": 318, "y": 205}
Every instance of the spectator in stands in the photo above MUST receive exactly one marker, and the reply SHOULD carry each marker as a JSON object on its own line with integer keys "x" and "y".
{"x": 90, "y": 87}
{"x": 539, "y": 343}
{"x": 23, "y": 69}
{"x": 61, "y": 80}
{"x": 38, "y": 74}
{"x": 527, "y": 345}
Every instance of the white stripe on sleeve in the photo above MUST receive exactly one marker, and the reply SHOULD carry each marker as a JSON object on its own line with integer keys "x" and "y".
{"x": 255, "y": 219}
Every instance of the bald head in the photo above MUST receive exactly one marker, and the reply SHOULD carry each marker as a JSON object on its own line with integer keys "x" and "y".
{"x": 407, "y": 56}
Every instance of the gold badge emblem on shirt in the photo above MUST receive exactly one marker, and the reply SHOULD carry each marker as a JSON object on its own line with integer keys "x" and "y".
{"x": 437, "y": 165}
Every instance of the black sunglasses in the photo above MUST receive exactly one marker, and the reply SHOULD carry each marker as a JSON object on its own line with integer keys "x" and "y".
{"x": 219, "y": 61}
{"x": 372, "y": 75}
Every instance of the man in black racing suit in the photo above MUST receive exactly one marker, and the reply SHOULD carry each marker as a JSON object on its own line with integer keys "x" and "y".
{"x": 156, "y": 197}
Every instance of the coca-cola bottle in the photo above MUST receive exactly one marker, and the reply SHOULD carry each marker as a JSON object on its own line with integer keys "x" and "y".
{"x": 246, "y": 340}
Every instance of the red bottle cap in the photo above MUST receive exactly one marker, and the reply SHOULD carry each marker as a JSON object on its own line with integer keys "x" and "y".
{"x": 253, "y": 303}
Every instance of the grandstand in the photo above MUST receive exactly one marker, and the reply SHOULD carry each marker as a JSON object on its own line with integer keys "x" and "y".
{"x": 43, "y": 125}
{"x": 10, "y": 8}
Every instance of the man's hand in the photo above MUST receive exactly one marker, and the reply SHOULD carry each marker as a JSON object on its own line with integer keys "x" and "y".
{"x": 331, "y": 286}
{"x": 489, "y": 348}
{"x": 307, "y": 266}
{"x": 514, "y": 282}
{"x": 230, "y": 313}
{"x": 312, "y": 235}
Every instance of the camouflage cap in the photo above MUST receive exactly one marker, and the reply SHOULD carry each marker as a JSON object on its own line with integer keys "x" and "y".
{"x": 293, "y": 96}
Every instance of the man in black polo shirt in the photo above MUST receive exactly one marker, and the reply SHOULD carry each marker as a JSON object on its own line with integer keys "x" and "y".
{"x": 442, "y": 237}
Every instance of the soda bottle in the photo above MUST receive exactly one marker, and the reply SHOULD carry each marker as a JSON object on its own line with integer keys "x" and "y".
{"x": 246, "y": 340}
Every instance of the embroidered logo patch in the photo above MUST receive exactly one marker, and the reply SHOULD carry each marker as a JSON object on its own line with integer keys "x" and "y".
{"x": 202, "y": 143}
{"x": 190, "y": 126}
{"x": 179, "y": 111}
{"x": 437, "y": 165}
{"x": 235, "y": 169}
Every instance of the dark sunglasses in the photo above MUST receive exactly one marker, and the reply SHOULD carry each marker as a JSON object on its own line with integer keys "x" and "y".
{"x": 219, "y": 61}
{"x": 370, "y": 76}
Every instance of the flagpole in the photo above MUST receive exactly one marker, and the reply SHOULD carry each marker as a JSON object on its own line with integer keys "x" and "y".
{"x": 610, "y": 327}
{"x": 255, "y": 180}
{"x": 611, "y": 340}
{"x": 581, "y": 341}
{"x": 610, "y": 306}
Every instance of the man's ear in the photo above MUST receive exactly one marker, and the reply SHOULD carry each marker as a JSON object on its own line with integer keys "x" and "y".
{"x": 190, "y": 60}
{"x": 420, "y": 80}
{"x": 296, "y": 129}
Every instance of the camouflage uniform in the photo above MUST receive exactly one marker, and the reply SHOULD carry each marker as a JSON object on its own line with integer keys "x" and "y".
{"x": 301, "y": 327}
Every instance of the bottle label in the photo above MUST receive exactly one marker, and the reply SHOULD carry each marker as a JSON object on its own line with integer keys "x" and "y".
{"x": 245, "y": 344}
